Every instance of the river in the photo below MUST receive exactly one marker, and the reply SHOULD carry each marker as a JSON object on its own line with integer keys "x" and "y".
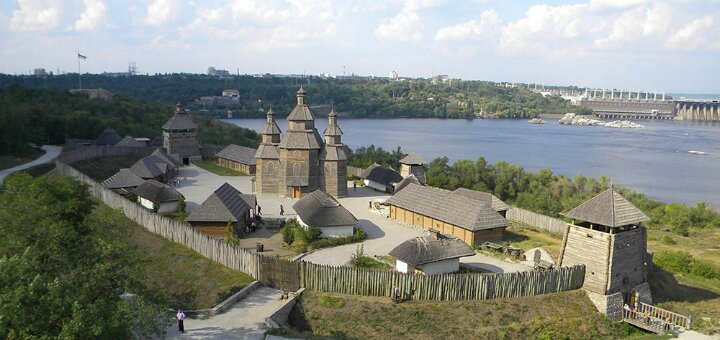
{"x": 653, "y": 160}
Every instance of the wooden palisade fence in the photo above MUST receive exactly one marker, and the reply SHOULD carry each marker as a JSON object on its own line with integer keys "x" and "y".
{"x": 553, "y": 225}
{"x": 291, "y": 275}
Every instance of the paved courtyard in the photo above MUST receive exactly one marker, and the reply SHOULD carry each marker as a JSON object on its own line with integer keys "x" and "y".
{"x": 383, "y": 233}
{"x": 244, "y": 320}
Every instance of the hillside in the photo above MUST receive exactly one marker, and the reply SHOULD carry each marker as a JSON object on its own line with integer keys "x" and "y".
{"x": 352, "y": 97}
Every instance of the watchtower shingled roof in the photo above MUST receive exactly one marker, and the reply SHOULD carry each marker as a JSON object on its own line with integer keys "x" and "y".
{"x": 608, "y": 209}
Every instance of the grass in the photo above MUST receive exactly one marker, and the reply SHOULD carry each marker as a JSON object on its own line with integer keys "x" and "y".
{"x": 8, "y": 161}
{"x": 219, "y": 170}
{"x": 185, "y": 278}
{"x": 39, "y": 170}
{"x": 563, "y": 315}
{"x": 526, "y": 238}
{"x": 101, "y": 168}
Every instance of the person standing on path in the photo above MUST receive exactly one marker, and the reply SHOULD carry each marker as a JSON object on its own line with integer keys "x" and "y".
{"x": 180, "y": 317}
{"x": 259, "y": 210}
{"x": 282, "y": 211}
{"x": 354, "y": 186}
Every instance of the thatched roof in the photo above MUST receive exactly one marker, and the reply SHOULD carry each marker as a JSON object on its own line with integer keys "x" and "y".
{"x": 380, "y": 174}
{"x": 318, "y": 209}
{"x": 237, "y": 153}
{"x": 413, "y": 159}
{"x": 609, "y": 209}
{"x": 423, "y": 250}
{"x": 181, "y": 120}
{"x": 225, "y": 204}
{"x": 448, "y": 207}
{"x": 157, "y": 192}
{"x": 484, "y": 197}
{"x": 122, "y": 179}
{"x": 108, "y": 137}
{"x": 129, "y": 141}
{"x": 406, "y": 181}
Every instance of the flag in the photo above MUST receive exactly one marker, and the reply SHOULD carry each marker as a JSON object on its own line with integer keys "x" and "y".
{"x": 80, "y": 56}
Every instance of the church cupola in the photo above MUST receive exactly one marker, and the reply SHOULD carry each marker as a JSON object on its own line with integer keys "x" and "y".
{"x": 333, "y": 132}
{"x": 271, "y": 131}
{"x": 301, "y": 96}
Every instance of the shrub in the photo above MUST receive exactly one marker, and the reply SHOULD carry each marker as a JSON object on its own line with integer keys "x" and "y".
{"x": 674, "y": 261}
{"x": 704, "y": 269}
{"x": 360, "y": 260}
{"x": 359, "y": 235}
{"x": 312, "y": 234}
{"x": 181, "y": 205}
{"x": 288, "y": 234}
{"x": 232, "y": 238}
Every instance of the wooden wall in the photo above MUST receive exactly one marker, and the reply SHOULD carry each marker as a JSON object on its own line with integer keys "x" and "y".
{"x": 591, "y": 248}
{"x": 425, "y": 222}
{"x": 553, "y": 225}
{"x": 628, "y": 267}
{"x": 246, "y": 168}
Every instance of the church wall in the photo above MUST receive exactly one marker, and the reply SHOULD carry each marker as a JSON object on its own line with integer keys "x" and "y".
{"x": 266, "y": 176}
{"x": 298, "y": 164}
{"x": 333, "y": 179}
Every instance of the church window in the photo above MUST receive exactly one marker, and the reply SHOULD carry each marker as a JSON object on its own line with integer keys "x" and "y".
{"x": 297, "y": 169}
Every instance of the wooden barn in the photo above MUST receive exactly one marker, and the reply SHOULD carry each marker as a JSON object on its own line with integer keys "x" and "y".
{"x": 225, "y": 204}
{"x": 485, "y": 198}
{"x": 319, "y": 209}
{"x": 430, "y": 255}
{"x": 606, "y": 236}
{"x": 449, "y": 213}
{"x": 157, "y": 196}
{"x": 236, "y": 157}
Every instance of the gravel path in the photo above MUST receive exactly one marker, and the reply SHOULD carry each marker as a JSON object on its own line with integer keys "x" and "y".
{"x": 51, "y": 152}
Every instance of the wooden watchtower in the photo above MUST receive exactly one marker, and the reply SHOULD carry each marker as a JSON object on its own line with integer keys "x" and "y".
{"x": 606, "y": 236}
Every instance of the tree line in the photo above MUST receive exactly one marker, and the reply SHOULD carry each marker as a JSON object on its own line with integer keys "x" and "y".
{"x": 352, "y": 97}
{"x": 48, "y": 116}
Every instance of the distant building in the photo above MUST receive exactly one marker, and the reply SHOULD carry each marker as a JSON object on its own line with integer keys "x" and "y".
{"x": 238, "y": 158}
{"x": 430, "y": 255}
{"x": 129, "y": 141}
{"x": 318, "y": 209}
{"x": 441, "y": 79}
{"x": 108, "y": 137}
{"x": 226, "y": 204}
{"x": 213, "y": 72}
{"x": 301, "y": 162}
{"x": 412, "y": 164}
{"x": 448, "y": 213}
{"x": 231, "y": 93}
{"x": 40, "y": 72}
{"x": 98, "y": 93}
{"x": 180, "y": 136}
{"x": 157, "y": 196}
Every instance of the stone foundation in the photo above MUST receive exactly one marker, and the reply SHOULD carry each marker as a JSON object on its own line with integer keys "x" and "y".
{"x": 643, "y": 291}
{"x": 609, "y": 305}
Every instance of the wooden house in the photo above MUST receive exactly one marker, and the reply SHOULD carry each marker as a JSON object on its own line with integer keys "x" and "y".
{"x": 157, "y": 196}
{"x": 158, "y": 166}
{"x": 381, "y": 178}
{"x": 236, "y": 157}
{"x": 123, "y": 181}
{"x": 430, "y": 255}
{"x": 447, "y": 212}
{"x": 606, "y": 237}
{"x": 412, "y": 164}
{"x": 485, "y": 198}
{"x": 319, "y": 209}
{"x": 226, "y": 204}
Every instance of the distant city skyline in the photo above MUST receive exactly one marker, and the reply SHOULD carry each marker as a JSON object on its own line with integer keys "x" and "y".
{"x": 670, "y": 46}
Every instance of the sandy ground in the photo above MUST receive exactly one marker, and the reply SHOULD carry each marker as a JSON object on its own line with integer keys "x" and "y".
{"x": 244, "y": 320}
{"x": 383, "y": 233}
{"x": 51, "y": 152}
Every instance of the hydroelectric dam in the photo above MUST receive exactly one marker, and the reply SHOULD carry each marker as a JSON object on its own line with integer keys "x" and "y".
{"x": 644, "y": 105}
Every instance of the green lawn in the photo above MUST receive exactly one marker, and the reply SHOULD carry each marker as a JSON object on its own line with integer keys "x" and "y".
{"x": 8, "y": 161}
{"x": 568, "y": 315}
{"x": 213, "y": 167}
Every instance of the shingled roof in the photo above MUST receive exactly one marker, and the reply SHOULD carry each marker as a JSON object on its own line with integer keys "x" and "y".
{"x": 413, "y": 159}
{"x": 318, "y": 209}
{"x": 122, "y": 179}
{"x": 157, "y": 192}
{"x": 267, "y": 151}
{"x": 448, "y": 207}
{"x": 237, "y": 153}
{"x": 129, "y": 141}
{"x": 181, "y": 120}
{"x": 609, "y": 209}
{"x": 151, "y": 166}
{"x": 270, "y": 128}
{"x": 485, "y": 197}
{"x": 427, "y": 249}
{"x": 406, "y": 181}
{"x": 333, "y": 153}
{"x": 301, "y": 139}
{"x": 225, "y": 204}
{"x": 381, "y": 174}
{"x": 108, "y": 137}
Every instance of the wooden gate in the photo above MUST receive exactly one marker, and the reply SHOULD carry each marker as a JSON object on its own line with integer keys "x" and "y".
{"x": 277, "y": 273}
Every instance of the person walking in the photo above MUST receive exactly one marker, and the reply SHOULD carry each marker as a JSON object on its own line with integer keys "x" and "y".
{"x": 180, "y": 316}
{"x": 259, "y": 210}
{"x": 354, "y": 186}
{"x": 282, "y": 211}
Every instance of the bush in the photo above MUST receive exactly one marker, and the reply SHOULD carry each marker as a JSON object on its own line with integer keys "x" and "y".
{"x": 674, "y": 261}
{"x": 360, "y": 260}
{"x": 359, "y": 235}
{"x": 312, "y": 234}
{"x": 288, "y": 234}
{"x": 704, "y": 269}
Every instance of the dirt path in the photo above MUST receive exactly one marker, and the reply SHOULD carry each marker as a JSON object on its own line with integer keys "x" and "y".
{"x": 51, "y": 152}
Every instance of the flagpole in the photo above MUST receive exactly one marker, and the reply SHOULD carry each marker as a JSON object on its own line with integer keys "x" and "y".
{"x": 79, "y": 73}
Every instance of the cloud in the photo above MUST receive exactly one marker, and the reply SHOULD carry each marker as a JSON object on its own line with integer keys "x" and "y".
{"x": 93, "y": 14}
{"x": 692, "y": 35}
{"x": 404, "y": 25}
{"x": 160, "y": 12}
{"x": 473, "y": 29}
{"x": 35, "y": 16}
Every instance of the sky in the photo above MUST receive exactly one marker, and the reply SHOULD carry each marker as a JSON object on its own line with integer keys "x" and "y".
{"x": 649, "y": 45}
